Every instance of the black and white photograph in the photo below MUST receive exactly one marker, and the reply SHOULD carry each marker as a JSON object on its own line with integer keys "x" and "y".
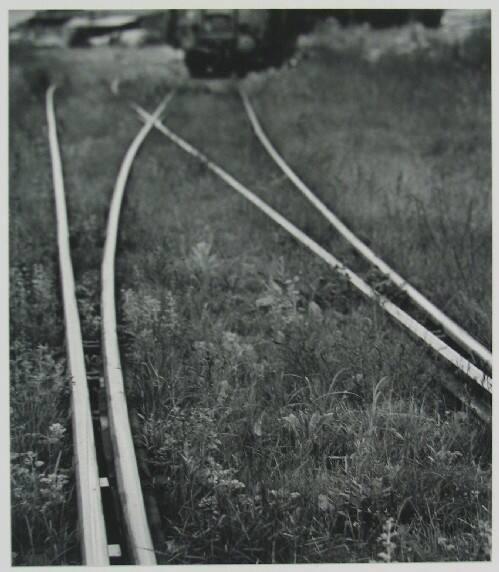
{"x": 248, "y": 285}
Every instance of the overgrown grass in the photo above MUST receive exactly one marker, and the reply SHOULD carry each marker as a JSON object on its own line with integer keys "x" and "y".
{"x": 43, "y": 511}
{"x": 285, "y": 419}
{"x": 43, "y": 515}
{"x": 280, "y": 431}
{"x": 400, "y": 150}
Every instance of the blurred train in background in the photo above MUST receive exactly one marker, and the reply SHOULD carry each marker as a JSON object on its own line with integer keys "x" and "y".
{"x": 236, "y": 41}
{"x": 226, "y": 41}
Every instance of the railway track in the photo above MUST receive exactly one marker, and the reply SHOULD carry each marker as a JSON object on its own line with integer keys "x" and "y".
{"x": 112, "y": 516}
{"x": 113, "y": 519}
{"x": 453, "y": 330}
{"x": 481, "y": 381}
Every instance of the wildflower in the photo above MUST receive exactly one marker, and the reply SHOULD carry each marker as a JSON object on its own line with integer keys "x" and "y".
{"x": 442, "y": 541}
{"x": 232, "y": 485}
{"x": 56, "y": 432}
{"x": 323, "y": 503}
{"x": 385, "y": 538}
{"x": 203, "y": 348}
{"x": 230, "y": 337}
{"x": 29, "y": 457}
{"x": 54, "y": 489}
{"x": 231, "y": 343}
{"x": 208, "y": 502}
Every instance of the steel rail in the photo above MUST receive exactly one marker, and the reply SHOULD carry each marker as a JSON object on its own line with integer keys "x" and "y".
{"x": 456, "y": 332}
{"x": 439, "y": 346}
{"x": 127, "y": 474}
{"x": 92, "y": 529}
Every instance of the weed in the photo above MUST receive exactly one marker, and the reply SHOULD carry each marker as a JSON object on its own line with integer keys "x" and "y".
{"x": 43, "y": 514}
{"x": 386, "y": 540}
{"x": 284, "y": 418}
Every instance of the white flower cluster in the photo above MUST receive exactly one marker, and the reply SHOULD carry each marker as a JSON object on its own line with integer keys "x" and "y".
{"x": 56, "y": 432}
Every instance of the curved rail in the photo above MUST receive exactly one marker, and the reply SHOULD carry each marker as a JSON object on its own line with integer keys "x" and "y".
{"x": 90, "y": 511}
{"x": 469, "y": 369}
{"x": 455, "y": 331}
{"x": 127, "y": 474}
